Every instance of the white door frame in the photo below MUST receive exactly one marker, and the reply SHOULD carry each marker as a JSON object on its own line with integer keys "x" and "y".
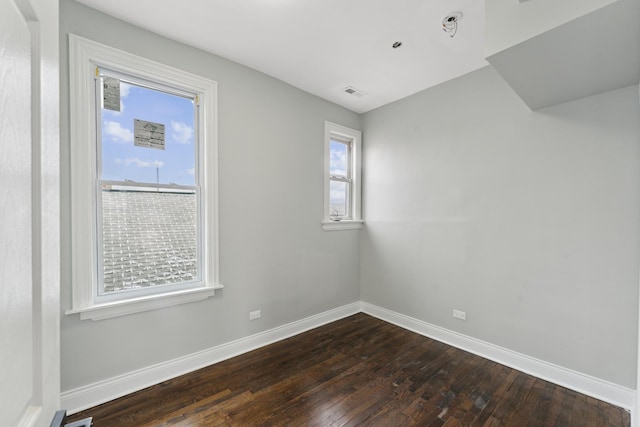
{"x": 30, "y": 192}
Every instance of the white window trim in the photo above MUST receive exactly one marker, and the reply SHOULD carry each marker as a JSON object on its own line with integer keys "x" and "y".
{"x": 84, "y": 55}
{"x": 356, "y": 167}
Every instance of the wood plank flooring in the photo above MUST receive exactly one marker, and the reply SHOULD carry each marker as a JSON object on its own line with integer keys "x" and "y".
{"x": 358, "y": 371}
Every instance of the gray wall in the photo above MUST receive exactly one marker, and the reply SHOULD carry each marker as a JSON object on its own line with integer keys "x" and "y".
{"x": 527, "y": 221}
{"x": 274, "y": 254}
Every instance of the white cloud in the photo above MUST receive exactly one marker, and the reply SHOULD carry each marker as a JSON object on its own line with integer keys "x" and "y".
{"x": 181, "y": 132}
{"x": 124, "y": 90}
{"x": 338, "y": 162}
{"x": 116, "y": 132}
{"x": 140, "y": 163}
{"x": 338, "y": 191}
{"x": 191, "y": 171}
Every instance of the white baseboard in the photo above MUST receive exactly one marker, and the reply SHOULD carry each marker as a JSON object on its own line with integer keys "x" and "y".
{"x": 85, "y": 397}
{"x": 585, "y": 384}
{"x": 103, "y": 391}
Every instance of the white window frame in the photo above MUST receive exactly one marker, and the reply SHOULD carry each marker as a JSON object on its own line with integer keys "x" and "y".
{"x": 354, "y": 179}
{"x": 84, "y": 56}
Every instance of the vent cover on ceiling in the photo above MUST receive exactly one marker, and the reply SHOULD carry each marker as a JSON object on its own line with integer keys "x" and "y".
{"x": 353, "y": 91}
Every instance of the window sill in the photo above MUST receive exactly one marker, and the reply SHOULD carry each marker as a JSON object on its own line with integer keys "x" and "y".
{"x": 342, "y": 225}
{"x": 137, "y": 305}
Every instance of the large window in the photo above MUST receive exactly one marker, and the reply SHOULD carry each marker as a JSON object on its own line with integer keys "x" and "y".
{"x": 342, "y": 178}
{"x": 149, "y": 206}
{"x": 144, "y": 204}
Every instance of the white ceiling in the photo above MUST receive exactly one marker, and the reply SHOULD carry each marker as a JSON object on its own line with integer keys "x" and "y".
{"x": 323, "y": 46}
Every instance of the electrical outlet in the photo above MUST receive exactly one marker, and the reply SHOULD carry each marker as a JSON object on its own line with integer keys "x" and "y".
{"x": 459, "y": 315}
{"x": 253, "y": 315}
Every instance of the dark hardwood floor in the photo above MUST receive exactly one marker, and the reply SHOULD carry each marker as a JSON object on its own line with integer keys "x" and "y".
{"x": 357, "y": 371}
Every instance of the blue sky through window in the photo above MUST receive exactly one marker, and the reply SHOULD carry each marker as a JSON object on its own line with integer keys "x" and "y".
{"x": 122, "y": 160}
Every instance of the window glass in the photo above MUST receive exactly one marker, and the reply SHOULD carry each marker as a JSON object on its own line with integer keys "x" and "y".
{"x": 339, "y": 199}
{"x": 148, "y": 238}
{"x": 171, "y": 161}
{"x": 339, "y": 158}
{"x": 148, "y": 203}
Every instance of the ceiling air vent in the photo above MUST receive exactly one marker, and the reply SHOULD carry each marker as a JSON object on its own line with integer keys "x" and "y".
{"x": 353, "y": 91}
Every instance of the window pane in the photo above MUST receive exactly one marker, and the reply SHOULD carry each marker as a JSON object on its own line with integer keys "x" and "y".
{"x": 338, "y": 199}
{"x": 170, "y": 159}
{"x": 338, "y": 158}
{"x": 148, "y": 238}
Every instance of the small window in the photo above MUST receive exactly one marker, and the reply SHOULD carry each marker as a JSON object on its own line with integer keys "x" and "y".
{"x": 144, "y": 185}
{"x": 342, "y": 178}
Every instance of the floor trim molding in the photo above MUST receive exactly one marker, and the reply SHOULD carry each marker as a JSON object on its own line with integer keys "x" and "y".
{"x": 85, "y": 397}
{"x": 582, "y": 383}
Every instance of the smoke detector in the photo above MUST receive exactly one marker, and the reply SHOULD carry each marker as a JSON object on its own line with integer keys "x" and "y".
{"x": 450, "y": 23}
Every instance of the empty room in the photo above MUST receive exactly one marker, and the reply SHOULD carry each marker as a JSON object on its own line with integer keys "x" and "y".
{"x": 315, "y": 213}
